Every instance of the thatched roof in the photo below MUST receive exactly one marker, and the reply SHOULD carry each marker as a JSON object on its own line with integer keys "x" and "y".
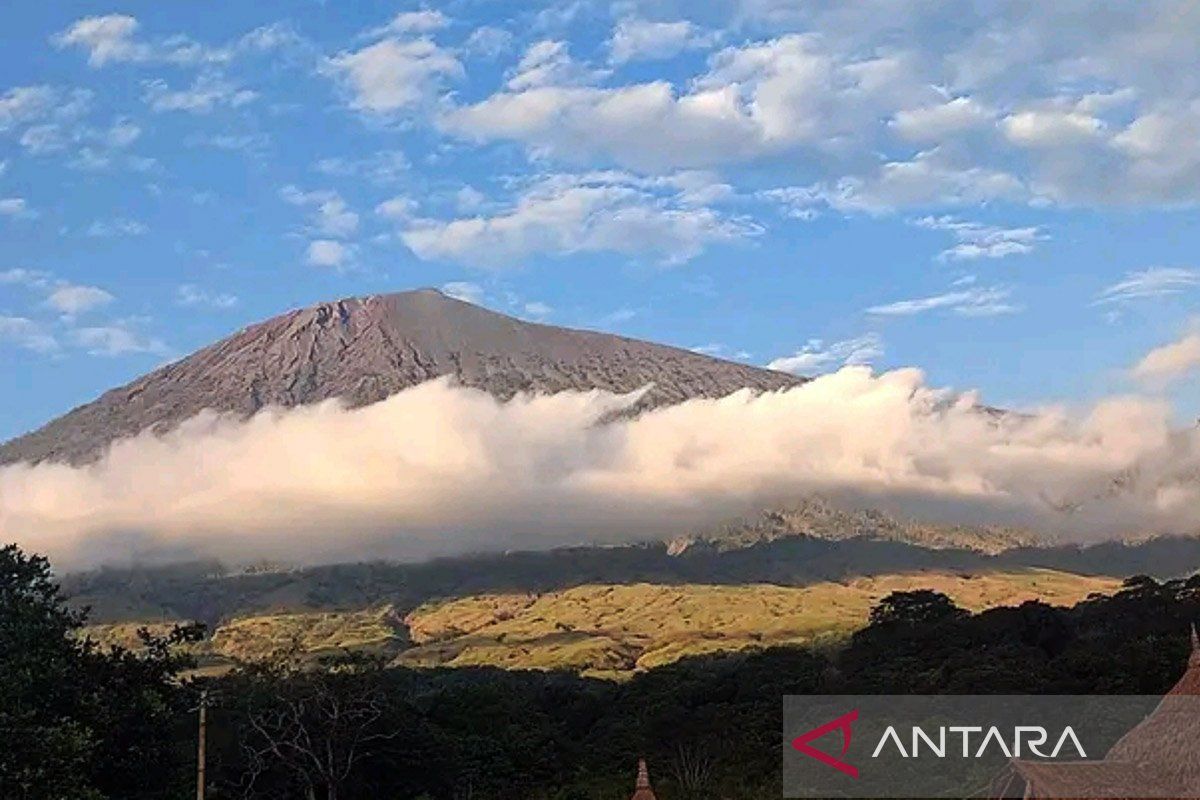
{"x": 1082, "y": 780}
{"x": 1158, "y": 757}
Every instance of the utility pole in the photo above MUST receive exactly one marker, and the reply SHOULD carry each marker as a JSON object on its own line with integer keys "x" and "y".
{"x": 200, "y": 747}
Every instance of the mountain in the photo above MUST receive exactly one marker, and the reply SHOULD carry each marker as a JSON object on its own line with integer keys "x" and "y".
{"x": 817, "y": 518}
{"x": 366, "y": 349}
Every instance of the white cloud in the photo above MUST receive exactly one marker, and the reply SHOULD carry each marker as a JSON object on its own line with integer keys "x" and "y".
{"x": 208, "y": 92}
{"x": 116, "y": 340}
{"x": 549, "y": 63}
{"x": 466, "y": 291}
{"x": 400, "y": 208}
{"x": 330, "y": 214}
{"x": 564, "y": 214}
{"x": 488, "y": 42}
{"x": 756, "y": 100}
{"x": 1019, "y": 111}
{"x": 27, "y": 334}
{"x": 328, "y": 253}
{"x": 25, "y": 103}
{"x": 14, "y": 207}
{"x": 929, "y": 179}
{"x": 817, "y": 356}
{"x": 119, "y": 226}
{"x": 40, "y": 140}
{"x": 382, "y": 168}
{"x": 635, "y": 39}
{"x": 934, "y": 123}
{"x": 972, "y": 302}
{"x": 107, "y": 38}
{"x": 111, "y": 39}
{"x": 30, "y": 278}
{"x": 1148, "y": 283}
{"x": 192, "y": 296}
{"x": 72, "y": 299}
{"x": 1052, "y": 128}
{"x": 468, "y": 198}
{"x": 976, "y": 240}
{"x": 424, "y": 21}
{"x": 535, "y": 309}
{"x": 541, "y": 471}
{"x": 1170, "y": 362}
{"x": 394, "y": 75}
{"x": 123, "y": 133}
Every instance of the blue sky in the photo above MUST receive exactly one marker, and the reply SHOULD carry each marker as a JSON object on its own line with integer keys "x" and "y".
{"x": 1004, "y": 197}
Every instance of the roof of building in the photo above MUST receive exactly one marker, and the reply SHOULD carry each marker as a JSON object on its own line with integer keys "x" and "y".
{"x": 1156, "y": 758}
{"x": 642, "y": 790}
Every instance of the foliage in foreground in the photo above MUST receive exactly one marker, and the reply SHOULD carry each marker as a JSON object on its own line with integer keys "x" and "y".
{"x": 77, "y": 721}
{"x": 709, "y": 726}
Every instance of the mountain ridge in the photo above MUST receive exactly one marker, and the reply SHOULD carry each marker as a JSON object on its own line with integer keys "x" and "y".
{"x": 365, "y": 349}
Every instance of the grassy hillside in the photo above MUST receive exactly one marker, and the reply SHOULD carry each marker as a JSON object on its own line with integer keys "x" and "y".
{"x": 604, "y": 630}
{"x": 211, "y": 594}
{"x": 608, "y": 630}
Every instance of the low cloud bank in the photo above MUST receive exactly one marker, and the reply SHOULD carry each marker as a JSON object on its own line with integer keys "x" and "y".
{"x": 440, "y": 469}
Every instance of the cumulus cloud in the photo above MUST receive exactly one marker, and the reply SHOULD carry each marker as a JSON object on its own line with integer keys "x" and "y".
{"x": 113, "y": 39}
{"x": 549, "y": 63}
{"x": 1019, "y": 111}
{"x": 116, "y": 339}
{"x": 27, "y": 334}
{"x": 637, "y": 39}
{"x": 564, "y": 214}
{"x": 328, "y": 253}
{"x": 71, "y": 299}
{"x": 330, "y": 214}
{"x": 438, "y": 469}
{"x": 754, "y": 101}
{"x": 24, "y": 103}
{"x": 1052, "y": 128}
{"x": 393, "y": 74}
{"x": 818, "y": 356}
{"x": 424, "y": 21}
{"x": 487, "y": 41}
{"x": 208, "y": 92}
{"x": 1169, "y": 362}
{"x": 937, "y": 122}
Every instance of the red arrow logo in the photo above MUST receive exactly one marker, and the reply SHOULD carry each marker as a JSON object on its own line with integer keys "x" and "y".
{"x": 842, "y": 723}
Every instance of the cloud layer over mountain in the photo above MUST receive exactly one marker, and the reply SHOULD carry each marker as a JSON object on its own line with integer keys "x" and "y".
{"x": 441, "y": 469}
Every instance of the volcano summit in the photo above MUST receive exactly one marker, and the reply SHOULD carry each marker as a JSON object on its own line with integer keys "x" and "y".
{"x": 366, "y": 349}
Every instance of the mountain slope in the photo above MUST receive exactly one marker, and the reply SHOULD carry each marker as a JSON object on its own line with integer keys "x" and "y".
{"x": 366, "y": 349}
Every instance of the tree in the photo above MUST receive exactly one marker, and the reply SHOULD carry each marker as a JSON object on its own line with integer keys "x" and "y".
{"x": 919, "y": 607}
{"x": 76, "y": 721}
{"x": 315, "y": 726}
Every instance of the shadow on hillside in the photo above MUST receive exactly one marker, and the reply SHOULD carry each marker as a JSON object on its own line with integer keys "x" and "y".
{"x": 207, "y": 592}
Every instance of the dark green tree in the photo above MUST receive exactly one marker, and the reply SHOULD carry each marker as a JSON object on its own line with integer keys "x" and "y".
{"x": 76, "y": 721}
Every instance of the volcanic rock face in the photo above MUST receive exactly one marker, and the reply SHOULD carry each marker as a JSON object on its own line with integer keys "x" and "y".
{"x": 366, "y": 349}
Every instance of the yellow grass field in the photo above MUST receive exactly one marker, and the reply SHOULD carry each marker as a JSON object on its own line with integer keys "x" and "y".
{"x": 605, "y": 630}
{"x": 608, "y": 630}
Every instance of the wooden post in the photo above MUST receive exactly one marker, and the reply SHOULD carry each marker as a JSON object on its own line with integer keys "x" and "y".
{"x": 200, "y": 755}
